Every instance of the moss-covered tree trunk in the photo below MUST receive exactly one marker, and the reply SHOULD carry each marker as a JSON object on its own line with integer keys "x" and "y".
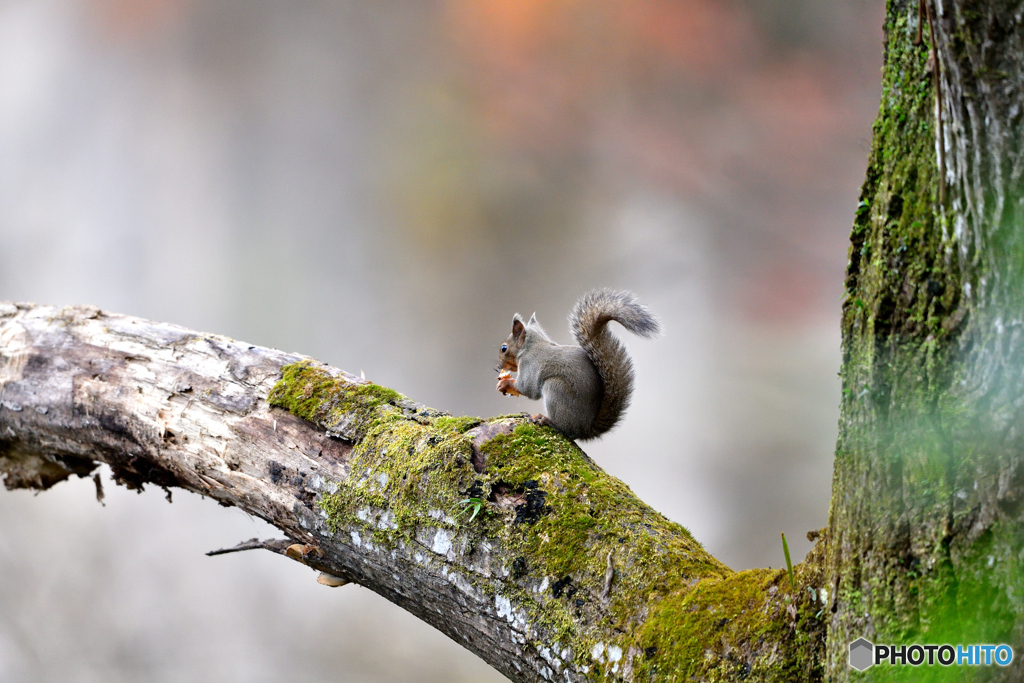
{"x": 926, "y": 535}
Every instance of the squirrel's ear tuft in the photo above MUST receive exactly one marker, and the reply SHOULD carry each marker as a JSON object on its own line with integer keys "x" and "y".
{"x": 533, "y": 319}
{"x": 518, "y": 330}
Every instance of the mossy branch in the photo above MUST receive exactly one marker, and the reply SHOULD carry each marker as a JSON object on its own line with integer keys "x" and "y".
{"x": 563, "y": 573}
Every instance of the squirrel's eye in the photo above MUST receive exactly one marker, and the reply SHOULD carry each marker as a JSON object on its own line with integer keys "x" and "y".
{"x": 504, "y": 348}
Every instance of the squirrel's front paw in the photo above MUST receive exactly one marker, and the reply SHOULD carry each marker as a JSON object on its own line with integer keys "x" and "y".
{"x": 507, "y": 386}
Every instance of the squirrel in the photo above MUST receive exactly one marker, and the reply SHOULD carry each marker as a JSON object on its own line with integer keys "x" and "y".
{"x": 586, "y": 388}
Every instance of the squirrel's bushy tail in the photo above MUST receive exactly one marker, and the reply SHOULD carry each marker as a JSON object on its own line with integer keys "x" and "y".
{"x": 589, "y": 324}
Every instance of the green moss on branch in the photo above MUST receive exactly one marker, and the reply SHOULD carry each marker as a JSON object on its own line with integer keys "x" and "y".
{"x": 554, "y": 524}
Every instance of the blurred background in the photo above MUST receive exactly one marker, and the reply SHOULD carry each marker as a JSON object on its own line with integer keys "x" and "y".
{"x": 381, "y": 185}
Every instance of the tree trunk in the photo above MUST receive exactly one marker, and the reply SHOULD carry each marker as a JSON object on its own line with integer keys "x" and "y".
{"x": 502, "y": 534}
{"x": 926, "y": 533}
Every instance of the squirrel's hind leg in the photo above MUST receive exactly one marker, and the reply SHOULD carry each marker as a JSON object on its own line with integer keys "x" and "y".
{"x": 566, "y": 412}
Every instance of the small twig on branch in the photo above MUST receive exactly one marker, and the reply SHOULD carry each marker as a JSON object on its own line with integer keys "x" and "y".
{"x": 99, "y": 489}
{"x": 277, "y": 545}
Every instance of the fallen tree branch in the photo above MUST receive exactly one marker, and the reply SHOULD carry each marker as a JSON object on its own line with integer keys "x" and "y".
{"x": 368, "y": 487}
